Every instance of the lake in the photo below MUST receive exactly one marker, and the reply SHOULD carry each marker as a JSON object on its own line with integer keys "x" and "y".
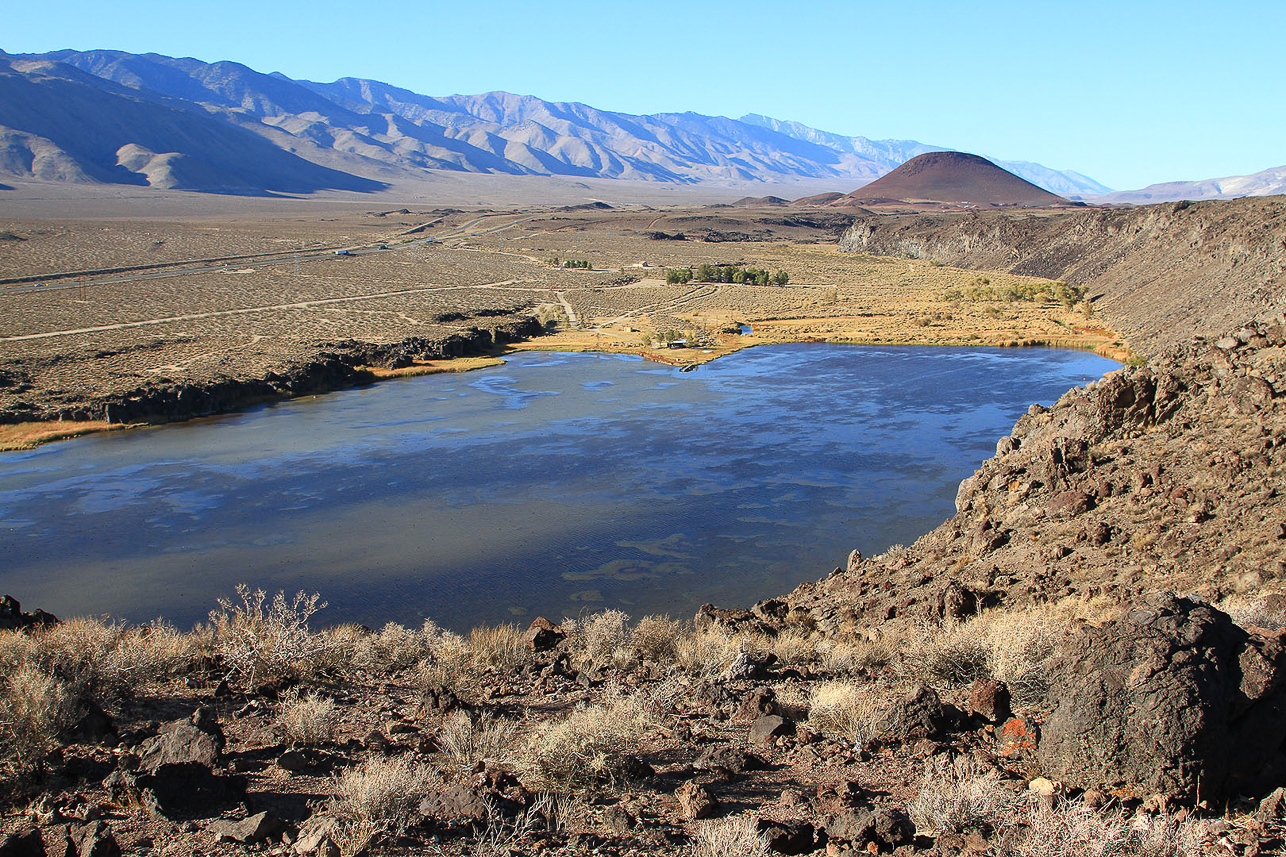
{"x": 552, "y": 485}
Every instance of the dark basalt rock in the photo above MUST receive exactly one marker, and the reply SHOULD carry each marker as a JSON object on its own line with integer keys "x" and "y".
{"x": 1171, "y": 699}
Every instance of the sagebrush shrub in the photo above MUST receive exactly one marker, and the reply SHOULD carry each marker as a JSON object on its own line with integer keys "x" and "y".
{"x": 736, "y": 836}
{"x": 307, "y": 719}
{"x": 596, "y": 742}
{"x": 378, "y": 798}
{"x": 35, "y": 706}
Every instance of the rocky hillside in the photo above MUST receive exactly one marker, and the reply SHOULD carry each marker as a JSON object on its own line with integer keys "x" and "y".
{"x": 1157, "y": 274}
{"x": 1162, "y": 476}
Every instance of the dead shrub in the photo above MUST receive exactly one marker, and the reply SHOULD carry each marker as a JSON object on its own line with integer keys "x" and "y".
{"x": 958, "y": 797}
{"x": 378, "y": 798}
{"x": 262, "y": 640}
{"x": 707, "y": 654}
{"x": 108, "y": 660}
{"x": 309, "y": 719}
{"x": 1072, "y": 829}
{"x": 393, "y": 649}
{"x": 601, "y": 636}
{"x": 656, "y": 638}
{"x": 736, "y": 836}
{"x": 1013, "y": 646}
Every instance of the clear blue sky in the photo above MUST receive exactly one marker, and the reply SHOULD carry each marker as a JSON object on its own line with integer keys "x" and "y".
{"x": 1129, "y": 92}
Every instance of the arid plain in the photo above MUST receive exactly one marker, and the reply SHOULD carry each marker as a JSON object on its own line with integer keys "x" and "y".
{"x": 102, "y": 311}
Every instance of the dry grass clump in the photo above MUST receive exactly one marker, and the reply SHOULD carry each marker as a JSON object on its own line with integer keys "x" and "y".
{"x": 34, "y": 707}
{"x": 378, "y": 798}
{"x": 707, "y": 654}
{"x": 309, "y": 719}
{"x": 656, "y": 638}
{"x": 1072, "y": 829}
{"x": 102, "y": 659}
{"x": 737, "y": 836}
{"x": 263, "y": 641}
{"x": 464, "y": 741}
{"x": 499, "y": 646}
{"x": 848, "y": 656}
{"x": 847, "y": 708}
{"x": 597, "y": 742}
{"x": 957, "y": 797}
{"x": 1010, "y": 645}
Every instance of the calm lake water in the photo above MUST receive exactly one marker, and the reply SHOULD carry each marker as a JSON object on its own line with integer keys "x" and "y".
{"x": 551, "y": 485}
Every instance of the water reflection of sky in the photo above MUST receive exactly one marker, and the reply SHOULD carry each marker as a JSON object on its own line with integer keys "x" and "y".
{"x": 552, "y": 484}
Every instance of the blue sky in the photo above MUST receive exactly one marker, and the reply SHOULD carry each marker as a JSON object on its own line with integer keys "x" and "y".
{"x": 1129, "y": 93}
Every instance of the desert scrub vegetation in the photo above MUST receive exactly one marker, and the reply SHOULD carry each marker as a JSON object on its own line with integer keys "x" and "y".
{"x": 103, "y": 659}
{"x": 1012, "y": 646}
{"x": 35, "y": 706}
{"x": 377, "y": 799}
{"x": 958, "y": 797}
{"x": 596, "y": 743}
{"x": 308, "y": 719}
{"x": 854, "y": 711}
{"x": 737, "y": 836}
{"x": 466, "y": 739}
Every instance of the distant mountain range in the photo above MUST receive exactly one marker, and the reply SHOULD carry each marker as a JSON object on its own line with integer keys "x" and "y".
{"x": 148, "y": 119}
{"x": 1263, "y": 183}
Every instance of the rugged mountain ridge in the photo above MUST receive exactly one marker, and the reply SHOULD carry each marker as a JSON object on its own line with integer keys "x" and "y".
{"x": 380, "y": 132}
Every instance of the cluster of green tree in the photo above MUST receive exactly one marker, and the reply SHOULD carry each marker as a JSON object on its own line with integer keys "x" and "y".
{"x": 737, "y": 274}
{"x": 573, "y": 263}
{"x": 678, "y": 275}
{"x": 982, "y": 290}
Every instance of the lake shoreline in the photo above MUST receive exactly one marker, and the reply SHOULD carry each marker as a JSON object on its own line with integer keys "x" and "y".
{"x": 324, "y": 374}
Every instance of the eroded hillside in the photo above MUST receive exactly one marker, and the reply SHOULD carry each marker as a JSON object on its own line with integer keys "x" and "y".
{"x": 1158, "y": 274}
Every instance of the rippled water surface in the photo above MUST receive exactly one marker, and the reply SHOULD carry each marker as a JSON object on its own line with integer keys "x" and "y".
{"x": 549, "y": 485}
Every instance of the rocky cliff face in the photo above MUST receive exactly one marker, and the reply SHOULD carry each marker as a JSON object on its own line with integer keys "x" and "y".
{"x": 1152, "y": 271}
{"x": 1164, "y": 476}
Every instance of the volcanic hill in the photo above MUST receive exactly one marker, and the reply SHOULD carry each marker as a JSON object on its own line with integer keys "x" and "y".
{"x": 955, "y": 177}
